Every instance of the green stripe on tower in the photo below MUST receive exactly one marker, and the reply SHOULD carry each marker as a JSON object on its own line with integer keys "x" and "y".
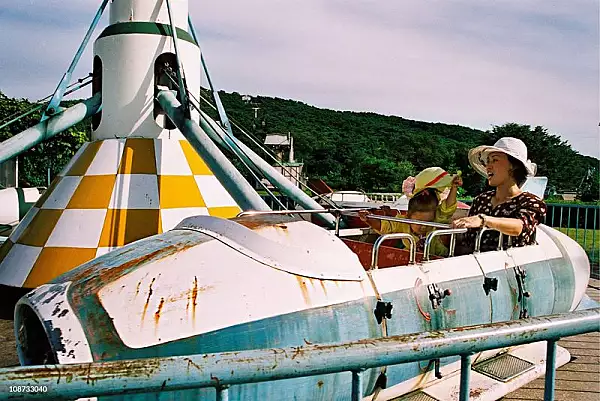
{"x": 149, "y": 28}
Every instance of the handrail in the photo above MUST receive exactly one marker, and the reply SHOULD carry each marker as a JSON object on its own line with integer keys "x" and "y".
{"x": 336, "y": 212}
{"x": 385, "y": 237}
{"x": 410, "y": 221}
{"x": 252, "y": 366}
{"x": 299, "y": 211}
{"x": 437, "y": 233}
{"x": 480, "y": 236}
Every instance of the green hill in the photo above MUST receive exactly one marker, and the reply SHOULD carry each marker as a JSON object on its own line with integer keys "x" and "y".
{"x": 349, "y": 150}
{"x": 368, "y": 151}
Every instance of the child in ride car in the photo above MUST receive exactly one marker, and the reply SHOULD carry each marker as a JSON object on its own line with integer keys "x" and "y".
{"x": 425, "y": 204}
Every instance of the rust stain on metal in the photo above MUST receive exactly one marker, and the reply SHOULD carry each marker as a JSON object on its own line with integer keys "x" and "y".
{"x": 100, "y": 373}
{"x": 148, "y": 299}
{"x": 193, "y": 299}
{"x": 298, "y": 351}
{"x": 322, "y": 282}
{"x": 451, "y": 312}
{"x": 259, "y": 221}
{"x": 157, "y": 313}
{"x": 215, "y": 379}
{"x": 96, "y": 275}
{"x": 320, "y": 383}
{"x": 304, "y": 289}
{"x": 476, "y": 392}
{"x": 192, "y": 363}
{"x": 137, "y": 288}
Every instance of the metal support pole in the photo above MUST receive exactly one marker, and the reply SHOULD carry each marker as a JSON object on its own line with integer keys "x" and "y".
{"x": 241, "y": 191}
{"x": 223, "y": 393}
{"x": 338, "y": 216}
{"x": 180, "y": 78}
{"x": 357, "y": 385}
{"x": 217, "y": 134}
{"x": 220, "y": 109}
{"x": 27, "y": 139}
{"x": 465, "y": 377}
{"x": 550, "y": 371}
{"x": 64, "y": 82}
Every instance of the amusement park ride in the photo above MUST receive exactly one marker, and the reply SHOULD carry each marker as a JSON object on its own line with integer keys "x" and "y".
{"x": 139, "y": 248}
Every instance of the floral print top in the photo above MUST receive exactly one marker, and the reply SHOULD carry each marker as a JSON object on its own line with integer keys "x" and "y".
{"x": 525, "y": 206}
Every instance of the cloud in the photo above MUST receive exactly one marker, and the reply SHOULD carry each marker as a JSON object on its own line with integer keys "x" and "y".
{"x": 455, "y": 61}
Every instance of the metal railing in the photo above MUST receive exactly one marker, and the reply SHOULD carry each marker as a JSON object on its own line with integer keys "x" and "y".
{"x": 480, "y": 237}
{"x": 412, "y": 250}
{"x": 387, "y": 197}
{"x": 223, "y": 370}
{"x": 337, "y": 213}
{"x": 437, "y": 233}
{"x": 580, "y": 222}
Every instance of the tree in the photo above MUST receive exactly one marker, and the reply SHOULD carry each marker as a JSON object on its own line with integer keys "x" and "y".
{"x": 52, "y": 154}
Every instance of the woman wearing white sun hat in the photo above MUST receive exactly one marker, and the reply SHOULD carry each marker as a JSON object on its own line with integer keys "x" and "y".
{"x": 506, "y": 208}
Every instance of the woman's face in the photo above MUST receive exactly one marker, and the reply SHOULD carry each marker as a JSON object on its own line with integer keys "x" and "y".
{"x": 498, "y": 168}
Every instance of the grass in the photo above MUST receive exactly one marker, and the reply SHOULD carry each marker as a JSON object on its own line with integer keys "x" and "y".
{"x": 585, "y": 238}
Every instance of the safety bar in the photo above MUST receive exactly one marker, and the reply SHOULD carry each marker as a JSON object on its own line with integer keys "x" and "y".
{"x": 153, "y": 375}
{"x": 336, "y": 212}
{"x": 410, "y": 221}
{"x": 437, "y": 233}
{"x": 300, "y": 211}
{"x": 380, "y": 240}
{"x": 480, "y": 236}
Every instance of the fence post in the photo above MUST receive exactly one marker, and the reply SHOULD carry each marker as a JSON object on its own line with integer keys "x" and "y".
{"x": 465, "y": 377}
{"x": 357, "y": 385}
{"x": 594, "y": 233}
{"x": 585, "y": 229}
{"x": 577, "y": 224}
{"x": 222, "y": 393}
{"x": 561, "y": 218}
{"x": 550, "y": 371}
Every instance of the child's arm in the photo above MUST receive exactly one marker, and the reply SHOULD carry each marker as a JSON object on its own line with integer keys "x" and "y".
{"x": 447, "y": 207}
{"x": 373, "y": 223}
{"x": 456, "y": 182}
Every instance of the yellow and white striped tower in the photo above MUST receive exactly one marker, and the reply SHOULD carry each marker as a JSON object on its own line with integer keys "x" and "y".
{"x": 139, "y": 176}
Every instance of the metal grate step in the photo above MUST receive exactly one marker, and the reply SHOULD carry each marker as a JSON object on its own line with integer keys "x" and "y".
{"x": 503, "y": 367}
{"x": 418, "y": 396}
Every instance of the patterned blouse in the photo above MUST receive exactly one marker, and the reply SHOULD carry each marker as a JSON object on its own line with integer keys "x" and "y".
{"x": 525, "y": 206}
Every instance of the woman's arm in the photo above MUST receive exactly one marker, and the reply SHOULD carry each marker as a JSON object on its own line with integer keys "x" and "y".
{"x": 506, "y": 225}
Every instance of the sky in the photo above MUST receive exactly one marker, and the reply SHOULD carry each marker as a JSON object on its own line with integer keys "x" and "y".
{"x": 468, "y": 62}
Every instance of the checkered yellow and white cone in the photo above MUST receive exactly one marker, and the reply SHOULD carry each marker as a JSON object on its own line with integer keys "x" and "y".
{"x": 111, "y": 193}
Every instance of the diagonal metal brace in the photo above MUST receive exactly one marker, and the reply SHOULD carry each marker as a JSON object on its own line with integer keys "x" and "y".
{"x": 59, "y": 92}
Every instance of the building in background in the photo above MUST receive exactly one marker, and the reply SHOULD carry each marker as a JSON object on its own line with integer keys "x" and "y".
{"x": 283, "y": 147}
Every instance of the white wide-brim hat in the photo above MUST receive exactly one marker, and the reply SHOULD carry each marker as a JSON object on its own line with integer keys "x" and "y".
{"x": 511, "y": 146}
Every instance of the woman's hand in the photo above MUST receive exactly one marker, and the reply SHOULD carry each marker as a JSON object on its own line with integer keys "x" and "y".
{"x": 468, "y": 222}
